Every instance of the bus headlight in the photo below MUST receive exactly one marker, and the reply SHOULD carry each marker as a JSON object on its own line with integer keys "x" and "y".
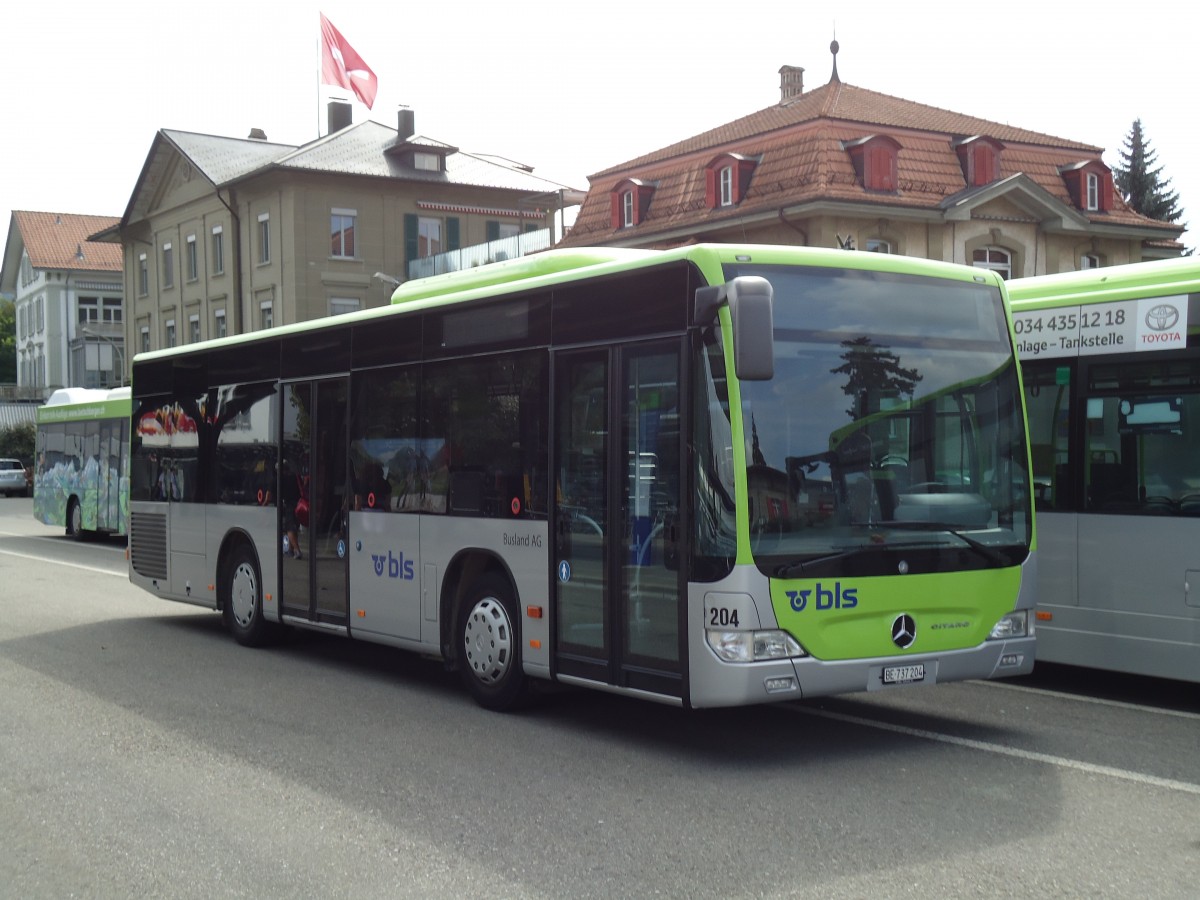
{"x": 753, "y": 646}
{"x": 1013, "y": 625}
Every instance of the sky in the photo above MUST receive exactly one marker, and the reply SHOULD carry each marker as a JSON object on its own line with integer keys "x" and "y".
{"x": 568, "y": 88}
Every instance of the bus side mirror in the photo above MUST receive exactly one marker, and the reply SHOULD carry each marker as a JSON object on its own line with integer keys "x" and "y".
{"x": 751, "y": 308}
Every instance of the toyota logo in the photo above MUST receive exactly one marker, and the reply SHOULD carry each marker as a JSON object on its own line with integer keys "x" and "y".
{"x": 904, "y": 631}
{"x": 1162, "y": 317}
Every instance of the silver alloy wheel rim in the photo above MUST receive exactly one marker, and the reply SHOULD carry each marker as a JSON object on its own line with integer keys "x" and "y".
{"x": 76, "y": 518}
{"x": 488, "y": 640}
{"x": 243, "y": 594}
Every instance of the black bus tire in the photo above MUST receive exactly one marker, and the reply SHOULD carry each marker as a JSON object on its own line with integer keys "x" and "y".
{"x": 241, "y": 598}
{"x": 489, "y": 645}
{"x": 75, "y": 519}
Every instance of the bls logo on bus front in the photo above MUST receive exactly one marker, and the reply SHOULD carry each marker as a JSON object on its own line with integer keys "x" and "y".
{"x": 824, "y": 598}
{"x": 397, "y": 567}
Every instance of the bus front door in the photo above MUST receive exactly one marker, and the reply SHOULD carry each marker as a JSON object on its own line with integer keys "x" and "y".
{"x": 618, "y": 588}
{"x": 313, "y": 497}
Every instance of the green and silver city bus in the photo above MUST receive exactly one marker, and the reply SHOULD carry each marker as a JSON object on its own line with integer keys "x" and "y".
{"x": 1111, "y": 361}
{"x": 709, "y": 476}
{"x": 82, "y": 461}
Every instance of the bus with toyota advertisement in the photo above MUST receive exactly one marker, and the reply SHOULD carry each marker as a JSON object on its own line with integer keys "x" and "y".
{"x": 1111, "y": 362}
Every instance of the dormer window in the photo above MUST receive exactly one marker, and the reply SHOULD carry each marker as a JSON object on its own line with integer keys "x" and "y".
{"x": 726, "y": 179}
{"x": 979, "y": 157}
{"x": 630, "y": 203}
{"x": 427, "y": 162}
{"x": 1090, "y": 185}
{"x": 422, "y": 156}
{"x": 874, "y": 159}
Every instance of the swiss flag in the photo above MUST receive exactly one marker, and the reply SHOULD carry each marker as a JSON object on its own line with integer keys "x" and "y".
{"x": 341, "y": 65}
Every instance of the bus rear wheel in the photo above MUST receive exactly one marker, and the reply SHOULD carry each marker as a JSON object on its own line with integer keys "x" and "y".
{"x": 489, "y": 645}
{"x": 241, "y": 599}
{"x": 75, "y": 519}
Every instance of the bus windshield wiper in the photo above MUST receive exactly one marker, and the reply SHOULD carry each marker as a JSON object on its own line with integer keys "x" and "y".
{"x": 791, "y": 570}
{"x": 991, "y": 554}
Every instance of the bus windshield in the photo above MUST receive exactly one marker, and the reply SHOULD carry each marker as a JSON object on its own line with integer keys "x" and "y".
{"x": 891, "y": 436}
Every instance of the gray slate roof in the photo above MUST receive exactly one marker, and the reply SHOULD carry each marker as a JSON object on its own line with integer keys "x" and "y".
{"x": 357, "y": 150}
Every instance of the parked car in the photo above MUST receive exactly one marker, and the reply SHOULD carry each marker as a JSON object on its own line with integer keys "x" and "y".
{"x": 13, "y": 478}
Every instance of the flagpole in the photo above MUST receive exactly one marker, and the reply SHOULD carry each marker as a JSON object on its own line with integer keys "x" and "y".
{"x": 318, "y": 87}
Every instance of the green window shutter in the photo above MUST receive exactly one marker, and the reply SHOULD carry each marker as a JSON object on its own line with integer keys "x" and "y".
{"x": 410, "y": 240}
{"x": 493, "y": 230}
{"x": 452, "y": 233}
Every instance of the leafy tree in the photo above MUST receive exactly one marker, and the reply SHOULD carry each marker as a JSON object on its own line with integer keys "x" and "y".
{"x": 1140, "y": 183}
{"x": 8, "y": 342}
{"x": 18, "y": 442}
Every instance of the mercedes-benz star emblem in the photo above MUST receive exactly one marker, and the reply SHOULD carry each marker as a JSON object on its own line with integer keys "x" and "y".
{"x": 904, "y": 631}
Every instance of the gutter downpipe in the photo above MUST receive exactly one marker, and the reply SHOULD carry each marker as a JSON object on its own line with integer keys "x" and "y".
{"x": 794, "y": 227}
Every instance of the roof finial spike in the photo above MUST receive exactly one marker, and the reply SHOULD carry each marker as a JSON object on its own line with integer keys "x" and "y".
{"x": 833, "y": 48}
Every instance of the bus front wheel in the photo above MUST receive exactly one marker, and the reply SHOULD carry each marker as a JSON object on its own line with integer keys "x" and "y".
{"x": 242, "y": 599}
{"x": 489, "y": 645}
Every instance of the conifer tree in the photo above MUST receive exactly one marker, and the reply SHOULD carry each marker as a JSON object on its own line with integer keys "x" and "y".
{"x": 1140, "y": 183}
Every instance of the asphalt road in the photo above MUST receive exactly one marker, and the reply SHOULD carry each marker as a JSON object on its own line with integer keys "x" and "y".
{"x": 144, "y": 754}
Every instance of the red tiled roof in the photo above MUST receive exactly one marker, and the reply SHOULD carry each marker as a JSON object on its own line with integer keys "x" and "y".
{"x": 60, "y": 241}
{"x": 800, "y": 150}
{"x": 851, "y": 104}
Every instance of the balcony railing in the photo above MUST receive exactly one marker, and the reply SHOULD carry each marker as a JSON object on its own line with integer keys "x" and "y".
{"x": 481, "y": 254}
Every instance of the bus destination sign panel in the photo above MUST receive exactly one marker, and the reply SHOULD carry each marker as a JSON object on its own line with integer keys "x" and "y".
{"x": 1125, "y": 326}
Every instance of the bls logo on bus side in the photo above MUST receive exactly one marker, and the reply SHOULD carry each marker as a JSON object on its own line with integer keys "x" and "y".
{"x": 396, "y": 567}
{"x": 838, "y": 598}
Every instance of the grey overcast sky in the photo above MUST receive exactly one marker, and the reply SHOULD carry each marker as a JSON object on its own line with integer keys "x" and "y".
{"x": 569, "y": 88}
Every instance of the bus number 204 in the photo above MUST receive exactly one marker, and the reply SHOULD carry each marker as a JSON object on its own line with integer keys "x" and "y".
{"x": 722, "y": 617}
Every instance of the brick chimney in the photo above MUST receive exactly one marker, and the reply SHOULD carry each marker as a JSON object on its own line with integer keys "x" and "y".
{"x": 791, "y": 84}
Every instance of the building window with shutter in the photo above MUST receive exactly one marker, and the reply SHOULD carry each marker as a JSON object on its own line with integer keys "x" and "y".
{"x": 429, "y": 237}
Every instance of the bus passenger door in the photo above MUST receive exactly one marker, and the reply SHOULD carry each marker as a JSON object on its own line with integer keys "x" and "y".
{"x": 617, "y": 582}
{"x": 314, "y": 501}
